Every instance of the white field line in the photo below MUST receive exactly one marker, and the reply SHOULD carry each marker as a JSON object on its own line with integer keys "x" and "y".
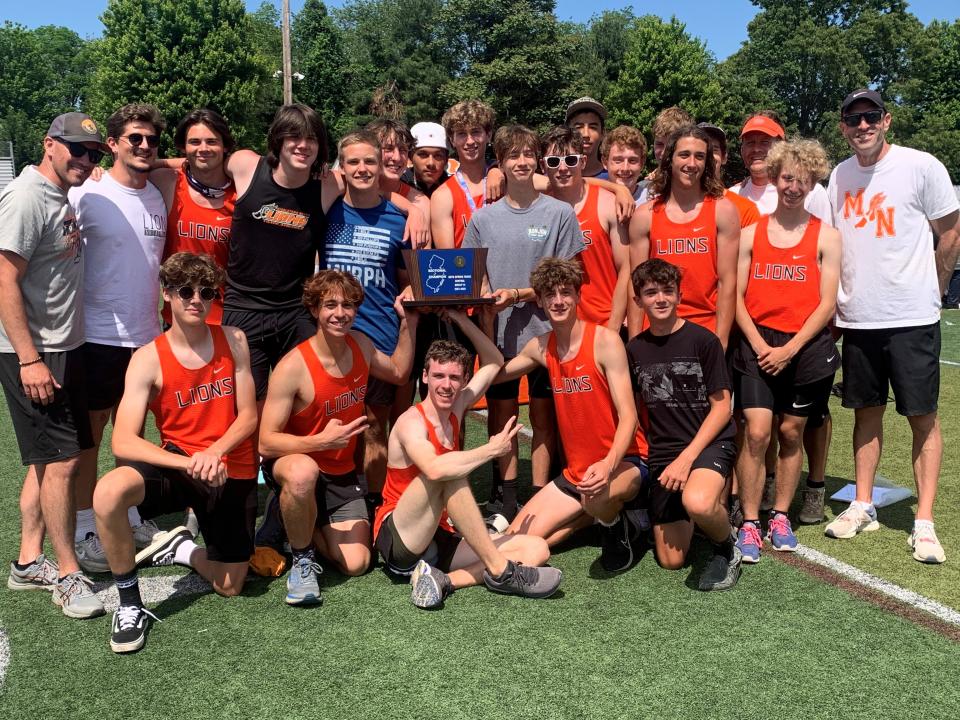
{"x": 860, "y": 577}
{"x": 525, "y": 431}
{"x": 950, "y": 362}
{"x": 4, "y": 655}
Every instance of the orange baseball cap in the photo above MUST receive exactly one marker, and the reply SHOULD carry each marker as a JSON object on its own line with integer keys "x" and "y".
{"x": 761, "y": 123}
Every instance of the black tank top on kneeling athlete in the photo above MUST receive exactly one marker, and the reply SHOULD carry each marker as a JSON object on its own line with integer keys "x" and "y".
{"x": 275, "y": 236}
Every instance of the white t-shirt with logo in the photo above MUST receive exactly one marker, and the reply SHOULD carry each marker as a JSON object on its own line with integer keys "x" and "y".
{"x": 888, "y": 275}
{"x": 765, "y": 198}
{"x": 123, "y": 231}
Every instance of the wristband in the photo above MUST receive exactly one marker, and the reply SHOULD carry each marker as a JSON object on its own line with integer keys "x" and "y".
{"x": 516, "y": 300}
{"x": 32, "y": 362}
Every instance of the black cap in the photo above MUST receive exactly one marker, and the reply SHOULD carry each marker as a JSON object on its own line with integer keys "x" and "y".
{"x": 586, "y": 104}
{"x": 715, "y": 132}
{"x": 76, "y": 127}
{"x": 862, "y": 94}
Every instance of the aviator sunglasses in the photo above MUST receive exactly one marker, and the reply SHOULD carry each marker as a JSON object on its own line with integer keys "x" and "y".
{"x": 186, "y": 292}
{"x": 78, "y": 150}
{"x": 553, "y": 161}
{"x": 871, "y": 116}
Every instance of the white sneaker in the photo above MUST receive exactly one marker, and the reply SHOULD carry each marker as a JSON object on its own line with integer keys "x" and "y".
{"x": 855, "y": 519}
{"x": 926, "y": 546}
{"x": 144, "y": 533}
{"x": 90, "y": 555}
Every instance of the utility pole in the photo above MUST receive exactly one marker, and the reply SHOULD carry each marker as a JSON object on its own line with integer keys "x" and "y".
{"x": 287, "y": 64}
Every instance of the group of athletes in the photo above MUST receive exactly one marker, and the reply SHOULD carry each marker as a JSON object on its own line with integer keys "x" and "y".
{"x": 677, "y": 341}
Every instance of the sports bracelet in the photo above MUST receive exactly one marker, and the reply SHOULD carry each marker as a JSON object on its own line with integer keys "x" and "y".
{"x": 517, "y": 293}
{"x": 32, "y": 362}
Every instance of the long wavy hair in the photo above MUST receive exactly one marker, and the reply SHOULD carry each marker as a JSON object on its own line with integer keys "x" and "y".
{"x": 710, "y": 181}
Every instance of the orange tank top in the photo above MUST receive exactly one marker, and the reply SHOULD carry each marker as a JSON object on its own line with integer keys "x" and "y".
{"x": 746, "y": 208}
{"x": 194, "y": 408}
{"x": 599, "y": 271}
{"x": 399, "y": 479}
{"x": 333, "y": 397}
{"x": 404, "y": 190}
{"x": 200, "y": 230}
{"x": 585, "y": 414}
{"x": 692, "y": 247}
{"x": 783, "y": 289}
{"x": 461, "y": 209}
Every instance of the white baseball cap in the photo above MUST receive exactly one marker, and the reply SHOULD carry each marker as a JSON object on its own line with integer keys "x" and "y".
{"x": 429, "y": 134}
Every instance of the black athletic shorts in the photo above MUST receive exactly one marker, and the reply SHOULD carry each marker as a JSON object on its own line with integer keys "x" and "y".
{"x": 816, "y": 360}
{"x": 271, "y": 334}
{"x": 54, "y": 432}
{"x": 666, "y": 506}
{"x": 538, "y": 381}
{"x": 906, "y": 359}
{"x": 398, "y": 560}
{"x": 340, "y": 498}
{"x": 818, "y": 416}
{"x": 568, "y": 488}
{"x": 783, "y": 398}
{"x": 105, "y": 368}
{"x": 226, "y": 514}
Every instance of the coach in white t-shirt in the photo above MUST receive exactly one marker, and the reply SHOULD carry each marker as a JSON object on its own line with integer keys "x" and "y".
{"x": 885, "y": 199}
{"x": 123, "y": 224}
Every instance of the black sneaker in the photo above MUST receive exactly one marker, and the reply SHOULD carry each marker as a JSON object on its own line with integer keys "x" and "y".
{"x": 735, "y": 513}
{"x": 129, "y": 630}
{"x": 525, "y": 581}
{"x": 271, "y": 532}
{"x": 163, "y": 548}
{"x": 720, "y": 573}
{"x": 616, "y": 545}
{"x": 429, "y": 587}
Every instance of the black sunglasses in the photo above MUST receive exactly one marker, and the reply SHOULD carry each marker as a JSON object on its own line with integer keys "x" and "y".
{"x": 871, "y": 116}
{"x": 136, "y": 139}
{"x": 553, "y": 161}
{"x": 78, "y": 150}
{"x": 186, "y": 292}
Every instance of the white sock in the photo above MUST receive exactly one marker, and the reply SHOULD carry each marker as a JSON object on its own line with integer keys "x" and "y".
{"x": 183, "y": 553}
{"x": 918, "y": 524}
{"x": 133, "y": 516}
{"x": 867, "y": 507}
{"x": 86, "y": 524}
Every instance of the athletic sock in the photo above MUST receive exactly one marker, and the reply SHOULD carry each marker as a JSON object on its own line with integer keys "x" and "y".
{"x": 815, "y": 484}
{"x": 86, "y": 524}
{"x": 181, "y": 555}
{"x": 510, "y": 493}
{"x": 133, "y": 516}
{"x": 299, "y": 553}
{"x": 724, "y": 548}
{"x": 755, "y": 523}
{"x": 867, "y": 508}
{"x": 18, "y": 566}
{"x": 128, "y": 587}
{"x": 778, "y": 512}
{"x": 496, "y": 482}
{"x": 918, "y": 524}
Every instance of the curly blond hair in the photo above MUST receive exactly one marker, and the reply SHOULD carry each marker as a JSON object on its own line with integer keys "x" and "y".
{"x": 807, "y": 156}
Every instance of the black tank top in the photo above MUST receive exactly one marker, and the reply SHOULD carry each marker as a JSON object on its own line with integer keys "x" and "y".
{"x": 275, "y": 235}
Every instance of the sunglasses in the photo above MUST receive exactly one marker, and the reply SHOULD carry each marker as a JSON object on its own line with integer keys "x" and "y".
{"x": 187, "y": 292}
{"x": 136, "y": 139}
{"x": 78, "y": 150}
{"x": 871, "y": 116}
{"x": 553, "y": 161}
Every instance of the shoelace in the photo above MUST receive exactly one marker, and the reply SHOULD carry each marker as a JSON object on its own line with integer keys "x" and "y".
{"x": 127, "y": 615}
{"x": 780, "y": 525}
{"x": 753, "y": 536}
{"x": 924, "y": 533}
{"x": 305, "y": 565}
{"x": 74, "y": 584}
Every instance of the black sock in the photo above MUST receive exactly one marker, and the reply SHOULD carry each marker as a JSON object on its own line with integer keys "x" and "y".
{"x": 496, "y": 481}
{"x": 724, "y": 548}
{"x": 302, "y": 552}
{"x": 777, "y": 512}
{"x": 509, "y": 494}
{"x": 755, "y": 522}
{"x": 814, "y": 484}
{"x": 128, "y": 587}
{"x": 18, "y": 566}
{"x": 374, "y": 499}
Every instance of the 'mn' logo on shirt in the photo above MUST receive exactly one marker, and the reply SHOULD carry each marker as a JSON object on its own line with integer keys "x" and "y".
{"x": 875, "y": 213}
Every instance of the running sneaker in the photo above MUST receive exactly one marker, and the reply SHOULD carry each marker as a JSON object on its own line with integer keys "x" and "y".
{"x": 74, "y": 594}
{"x": 720, "y": 573}
{"x": 129, "y": 631}
{"x": 811, "y": 510}
{"x": 855, "y": 519}
{"x": 496, "y": 524}
{"x": 616, "y": 545}
{"x": 926, "y": 546}
{"x": 749, "y": 541}
{"x": 525, "y": 580}
{"x": 303, "y": 585}
{"x": 271, "y": 532}
{"x": 41, "y": 574}
{"x": 769, "y": 493}
{"x": 90, "y": 554}
{"x": 144, "y": 533}
{"x": 780, "y": 534}
{"x": 163, "y": 549}
{"x": 429, "y": 587}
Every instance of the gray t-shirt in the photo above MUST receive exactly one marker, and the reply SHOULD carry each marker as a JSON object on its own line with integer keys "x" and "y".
{"x": 38, "y": 224}
{"x": 517, "y": 239}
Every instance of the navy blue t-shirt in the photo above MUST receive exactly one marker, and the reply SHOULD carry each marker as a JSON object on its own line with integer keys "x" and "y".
{"x": 367, "y": 242}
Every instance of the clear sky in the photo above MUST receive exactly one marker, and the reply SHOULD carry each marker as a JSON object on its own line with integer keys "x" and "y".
{"x": 722, "y": 24}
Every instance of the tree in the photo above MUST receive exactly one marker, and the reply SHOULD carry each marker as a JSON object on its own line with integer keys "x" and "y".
{"x": 180, "y": 55}
{"x": 318, "y": 56}
{"x": 511, "y": 53}
{"x": 602, "y": 44}
{"x": 46, "y": 72}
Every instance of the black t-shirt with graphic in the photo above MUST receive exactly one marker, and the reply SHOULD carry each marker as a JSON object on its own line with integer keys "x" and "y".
{"x": 674, "y": 376}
